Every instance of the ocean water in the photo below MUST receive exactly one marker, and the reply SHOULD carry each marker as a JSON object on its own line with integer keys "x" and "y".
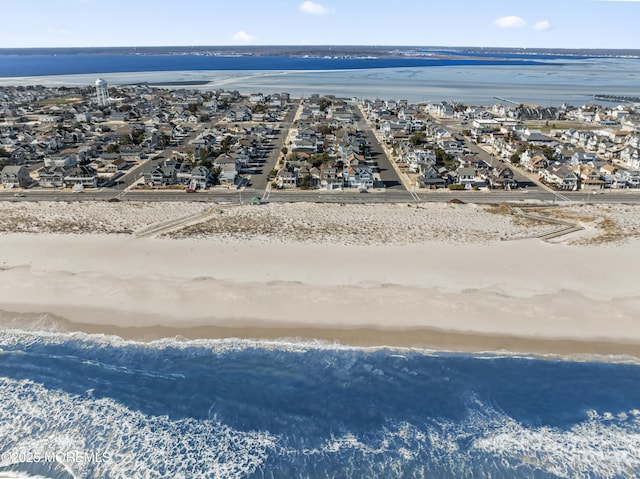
{"x": 473, "y": 78}
{"x": 75, "y": 405}
{"x": 61, "y": 63}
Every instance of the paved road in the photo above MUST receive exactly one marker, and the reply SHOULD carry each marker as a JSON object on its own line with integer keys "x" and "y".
{"x": 387, "y": 172}
{"x": 259, "y": 179}
{"x": 389, "y": 196}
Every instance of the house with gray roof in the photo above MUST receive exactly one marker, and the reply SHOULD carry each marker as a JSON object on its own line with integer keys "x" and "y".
{"x": 15, "y": 176}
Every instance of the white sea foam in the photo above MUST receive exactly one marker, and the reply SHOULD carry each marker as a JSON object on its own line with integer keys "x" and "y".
{"x": 36, "y": 420}
{"x": 603, "y": 446}
{"x": 19, "y": 475}
{"x": 36, "y": 423}
{"x": 12, "y": 337}
{"x": 488, "y": 440}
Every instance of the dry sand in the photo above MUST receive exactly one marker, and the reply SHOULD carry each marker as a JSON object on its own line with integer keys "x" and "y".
{"x": 433, "y": 275}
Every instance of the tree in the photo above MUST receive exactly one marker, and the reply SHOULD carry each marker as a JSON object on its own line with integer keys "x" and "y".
{"x": 515, "y": 159}
{"x": 418, "y": 138}
{"x": 549, "y": 153}
{"x": 163, "y": 140}
{"x": 444, "y": 159}
{"x": 318, "y": 160}
{"x": 284, "y": 150}
{"x": 113, "y": 148}
{"x": 324, "y": 103}
{"x": 225, "y": 144}
{"x": 215, "y": 172}
{"x": 137, "y": 136}
{"x": 326, "y": 130}
{"x": 305, "y": 181}
{"x": 206, "y": 162}
{"x": 259, "y": 108}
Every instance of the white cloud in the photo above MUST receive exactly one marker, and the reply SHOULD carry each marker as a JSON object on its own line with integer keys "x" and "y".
{"x": 314, "y": 8}
{"x": 243, "y": 36}
{"x": 511, "y": 21}
{"x": 542, "y": 26}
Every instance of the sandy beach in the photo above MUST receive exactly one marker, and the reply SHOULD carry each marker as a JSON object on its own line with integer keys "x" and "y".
{"x": 440, "y": 276}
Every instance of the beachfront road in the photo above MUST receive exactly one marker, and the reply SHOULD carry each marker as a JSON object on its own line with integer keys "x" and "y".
{"x": 388, "y": 196}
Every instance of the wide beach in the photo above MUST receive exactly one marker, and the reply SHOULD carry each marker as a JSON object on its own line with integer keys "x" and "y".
{"x": 436, "y": 276}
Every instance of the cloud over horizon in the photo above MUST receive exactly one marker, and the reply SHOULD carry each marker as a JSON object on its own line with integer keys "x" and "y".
{"x": 511, "y": 21}
{"x": 243, "y": 36}
{"x": 314, "y": 8}
{"x": 542, "y": 26}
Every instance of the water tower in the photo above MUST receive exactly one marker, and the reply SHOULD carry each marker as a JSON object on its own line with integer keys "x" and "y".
{"x": 102, "y": 92}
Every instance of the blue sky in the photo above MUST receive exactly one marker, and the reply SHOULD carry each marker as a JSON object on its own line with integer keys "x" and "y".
{"x": 488, "y": 23}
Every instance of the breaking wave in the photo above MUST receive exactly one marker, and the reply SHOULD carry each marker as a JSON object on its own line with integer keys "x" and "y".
{"x": 75, "y": 406}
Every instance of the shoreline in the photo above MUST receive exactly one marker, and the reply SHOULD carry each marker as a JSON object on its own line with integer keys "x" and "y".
{"x": 415, "y": 339}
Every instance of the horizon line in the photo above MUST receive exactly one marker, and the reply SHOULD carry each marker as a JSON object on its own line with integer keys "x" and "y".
{"x": 318, "y": 46}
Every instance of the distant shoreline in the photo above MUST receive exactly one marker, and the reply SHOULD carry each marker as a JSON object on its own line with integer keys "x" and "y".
{"x": 531, "y": 81}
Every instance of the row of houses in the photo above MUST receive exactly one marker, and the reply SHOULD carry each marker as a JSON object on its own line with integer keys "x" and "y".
{"x": 326, "y": 150}
{"x": 331, "y": 176}
{"x": 172, "y": 172}
{"x": 587, "y": 177}
{"x": 17, "y": 176}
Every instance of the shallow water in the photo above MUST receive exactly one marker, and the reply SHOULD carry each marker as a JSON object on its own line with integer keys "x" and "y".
{"x": 548, "y": 81}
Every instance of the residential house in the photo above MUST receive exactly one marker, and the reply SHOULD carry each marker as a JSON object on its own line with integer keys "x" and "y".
{"x": 560, "y": 176}
{"x": 66, "y": 161}
{"x": 466, "y": 177}
{"x": 14, "y": 176}
{"x": 201, "y": 178}
{"x": 81, "y": 175}
{"x": 226, "y": 162}
{"x": 615, "y": 181}
{"x": 315, "y": 177}
{"x": 588, "y": 177}
{"x": 360, "y": 177}
{"x": 582, "y": 157}
{"x": 502, "y": 177}
{"x": 286, "y": 179}
{"x": 119, "y": 116}
{"x": 633, "y": 179}
{"x": 238, "y": 114}
{"x": 534, "y": 163}
{"x": 116, "y": 165}
{"x": 330, "y": 178}
{"x": 51, "y": 177}
{"x": 228, "y": 169}
{"x": 631, "y": 157}
{"x": 161, "y": 176}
